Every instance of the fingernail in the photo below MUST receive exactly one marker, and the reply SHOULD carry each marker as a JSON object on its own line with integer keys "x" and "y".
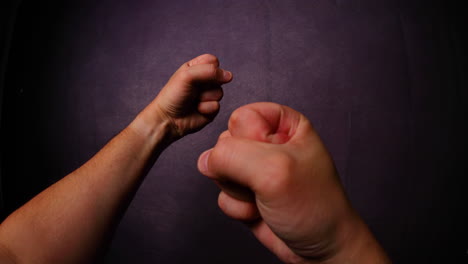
{"x": 203, "y": 161}
{"x": 227, "y": 75}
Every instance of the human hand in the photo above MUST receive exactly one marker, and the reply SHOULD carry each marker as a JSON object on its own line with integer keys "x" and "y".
{"x": 190, "y": 99}
{"x": 277, "y": 176}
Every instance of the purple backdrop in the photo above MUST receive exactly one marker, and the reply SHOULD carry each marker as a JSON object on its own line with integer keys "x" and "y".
{"x": 378, "y": 79}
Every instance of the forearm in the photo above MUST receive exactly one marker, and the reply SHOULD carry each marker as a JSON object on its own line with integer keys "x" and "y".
{"x": 357, "y": 244}
{"x": 68, "y": 222}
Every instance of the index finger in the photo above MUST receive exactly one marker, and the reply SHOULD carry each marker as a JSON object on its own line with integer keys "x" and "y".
{"x": 203, "y": 59}
{"x": 203, "y": 73}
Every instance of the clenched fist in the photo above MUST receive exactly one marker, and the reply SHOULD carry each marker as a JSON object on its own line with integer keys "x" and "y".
{"x": 277, "y": 176}
{"x": 190, "y": 99}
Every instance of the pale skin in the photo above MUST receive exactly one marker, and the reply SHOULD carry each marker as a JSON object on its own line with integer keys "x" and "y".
{"x": 273, "y": 170}
{"x": 277, "y": 176}
{"x": 70, "y": 221}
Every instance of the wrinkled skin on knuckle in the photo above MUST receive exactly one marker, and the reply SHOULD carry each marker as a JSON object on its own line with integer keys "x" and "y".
{"x": 220, "y": 94}
{"x": 278, "y": 175}
{"x": 212, "y": 72}
{"x": 235, "y": 116}
{"x": 214, "y": 60}
{"x": 242, "y": 212}
{"x": 186, "y": 77}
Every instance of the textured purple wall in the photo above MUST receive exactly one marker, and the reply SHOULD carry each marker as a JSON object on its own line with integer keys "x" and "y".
{"x": 377, "y": 79}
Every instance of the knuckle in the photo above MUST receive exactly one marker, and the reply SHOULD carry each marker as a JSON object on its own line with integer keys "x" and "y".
{"x": 221, "y": 153}
{"x": 225, "y": 134}
{"x": 210, "y": 57}
{"x": 235, "y": 116}
{"x": 214, "y": 58}
{"x": 211, "y": 71}
{"x": 220, "y": 93}
{"x": 185, "y": 76}
{"x": 221, "y": 201}
{"x": 279, "y": 174}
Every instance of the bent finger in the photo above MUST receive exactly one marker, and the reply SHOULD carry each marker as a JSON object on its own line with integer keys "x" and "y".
{"x": 238, "y": 160}
{"x": 225, "y": 134}
{"x": 236, "y": 191}
{"x": 237, "y": 209}
{"x": 267, "y": 122}
{"x": 208, "y": 108}
{"x": 212, "y": 94}
{"x": 202, "y": 59}
{"x": 205, "y": 73}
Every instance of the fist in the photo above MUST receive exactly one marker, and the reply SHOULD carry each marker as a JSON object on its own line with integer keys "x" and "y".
{"x": 276, "y": 175}
{"x": 190, "y": 99}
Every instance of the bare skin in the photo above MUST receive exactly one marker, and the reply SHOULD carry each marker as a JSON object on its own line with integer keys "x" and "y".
{"x": 70, "y": 221}
{"x": 274, "y": 172}
{"x": 277, "y": 176}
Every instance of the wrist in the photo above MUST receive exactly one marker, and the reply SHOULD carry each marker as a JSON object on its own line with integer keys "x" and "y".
{"x": 357, "y": 244}
{"x": 153, "y": 127}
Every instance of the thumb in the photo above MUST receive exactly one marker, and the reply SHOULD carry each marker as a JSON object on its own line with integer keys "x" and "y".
{"x": 240, "y": 161}
{"x": 265, "y": 122}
